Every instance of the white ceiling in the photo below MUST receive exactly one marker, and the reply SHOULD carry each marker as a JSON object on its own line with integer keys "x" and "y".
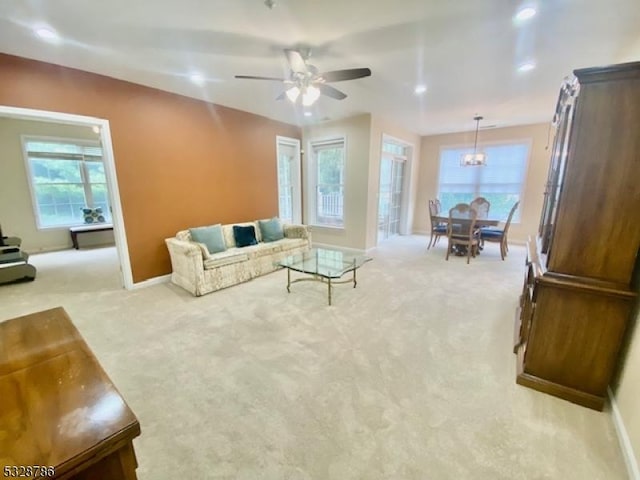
{"x": 465, "y": 51}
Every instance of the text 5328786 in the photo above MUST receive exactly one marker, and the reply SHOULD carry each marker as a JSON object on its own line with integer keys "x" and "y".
{"x": 28, "y": 471}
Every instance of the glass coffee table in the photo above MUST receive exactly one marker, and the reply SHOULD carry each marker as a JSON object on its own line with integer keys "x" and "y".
{"x": 323, "y": 265}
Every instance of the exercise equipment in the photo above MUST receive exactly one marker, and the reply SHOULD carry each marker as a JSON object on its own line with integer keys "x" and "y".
{"x": 14, "y": 263}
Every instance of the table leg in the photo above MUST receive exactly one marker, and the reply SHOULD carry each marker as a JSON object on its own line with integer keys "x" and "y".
{"x": 288, "y": 280}
{"x": 74, "y": 240}
{"x": 355, "y": 282}
{"x": 329, "y": 288}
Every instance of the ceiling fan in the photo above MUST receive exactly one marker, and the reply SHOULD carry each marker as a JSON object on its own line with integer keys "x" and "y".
{"x": 306, "y": 83}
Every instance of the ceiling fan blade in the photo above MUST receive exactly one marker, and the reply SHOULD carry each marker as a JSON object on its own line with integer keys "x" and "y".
{"x": 296, "y": 62}
{"x": 329, "y": 91}
{"x": 253, "y": 77}
{"x": 348, "y": 74}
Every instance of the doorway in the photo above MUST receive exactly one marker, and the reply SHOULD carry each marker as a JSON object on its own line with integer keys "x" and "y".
{"x": 104, "y": 134}
{"x": 391, "y": 190}
{"x": 289, "y": 180}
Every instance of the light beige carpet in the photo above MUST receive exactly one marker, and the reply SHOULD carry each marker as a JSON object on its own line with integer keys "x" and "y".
{"x": 409, "y": 376}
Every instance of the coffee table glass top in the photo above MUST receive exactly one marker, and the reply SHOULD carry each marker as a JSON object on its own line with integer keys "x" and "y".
{"x": 324, "y": 262}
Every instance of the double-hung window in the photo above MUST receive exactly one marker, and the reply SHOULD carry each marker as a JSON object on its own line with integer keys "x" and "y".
{"x": 65, "y": 177}
{"x": 501, "y": 180}
{"x": 328, "y": 158}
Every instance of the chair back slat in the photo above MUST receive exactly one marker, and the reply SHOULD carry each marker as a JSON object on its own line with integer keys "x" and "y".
{"x": 510, "y": 217}
{"x": 462, "y": 221}
{"x": 481, "y": 205}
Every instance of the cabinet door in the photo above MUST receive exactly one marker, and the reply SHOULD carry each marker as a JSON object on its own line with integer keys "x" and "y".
{"x": 527, "y": 307}
{"x": 553, "y": 188}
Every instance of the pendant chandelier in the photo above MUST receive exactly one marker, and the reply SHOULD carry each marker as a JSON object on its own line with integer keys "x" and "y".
{"x": 476, "y": 158}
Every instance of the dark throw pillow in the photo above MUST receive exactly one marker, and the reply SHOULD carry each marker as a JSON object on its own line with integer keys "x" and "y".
{"x": 271, "y": 230}
{"x": 244, "y": 235}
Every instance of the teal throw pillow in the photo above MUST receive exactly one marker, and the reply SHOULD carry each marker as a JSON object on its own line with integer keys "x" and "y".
{"x": 271, "y": 230}
{"x": 211, "y": 236}
{"x": 244, "y": 235}
{"x": 93, "y": 215}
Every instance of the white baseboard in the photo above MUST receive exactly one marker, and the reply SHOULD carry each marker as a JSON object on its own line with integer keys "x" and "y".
{"x": 625, "y": 444}
{"x": 152, "y": 281}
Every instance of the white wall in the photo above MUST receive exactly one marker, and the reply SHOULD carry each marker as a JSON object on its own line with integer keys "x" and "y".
{"x": 531, "y": 204}
{"x": 16, "y": 208}
{"x": 364, "y": 135}
{"x": 627, "y": 388}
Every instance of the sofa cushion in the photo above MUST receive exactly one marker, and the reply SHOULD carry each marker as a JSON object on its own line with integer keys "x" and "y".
{"x": 211, "y": 236}
{"x": 225, "y": 258}
{"x": 244, "y": 235}
{"x": 291, "y": 243}
{"x": 262, "y": 249}
{"x": 271, "y": 230}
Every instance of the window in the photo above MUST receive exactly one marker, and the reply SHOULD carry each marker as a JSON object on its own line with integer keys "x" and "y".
{"x": 65, "y": 177}
{"x": 328, "y": 158}
{"x": 500, "y": 181}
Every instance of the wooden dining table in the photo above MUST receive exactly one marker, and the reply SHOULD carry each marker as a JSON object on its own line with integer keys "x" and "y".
{"x": 480, "y": 222}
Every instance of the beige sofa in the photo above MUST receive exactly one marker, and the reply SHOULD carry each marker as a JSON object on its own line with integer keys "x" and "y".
{"x": 199, "y": 272}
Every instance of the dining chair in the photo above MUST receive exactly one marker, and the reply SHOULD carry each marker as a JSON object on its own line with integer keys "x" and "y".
{"x": 437, "y": 229}
{"x": 497, "y": 235}
{"x": 481, "y": 205}
{"x": 461, "y": 230}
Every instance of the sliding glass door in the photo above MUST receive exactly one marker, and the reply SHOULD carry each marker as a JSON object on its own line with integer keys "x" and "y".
{"x": 390, "y": 195}
{"x": 289, "y": 182}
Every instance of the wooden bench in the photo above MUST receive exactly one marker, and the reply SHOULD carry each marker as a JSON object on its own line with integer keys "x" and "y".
{"x": 97, "y": 227}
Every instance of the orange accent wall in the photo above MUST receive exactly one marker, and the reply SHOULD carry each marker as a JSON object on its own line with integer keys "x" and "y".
{"x": 180, "y": 162}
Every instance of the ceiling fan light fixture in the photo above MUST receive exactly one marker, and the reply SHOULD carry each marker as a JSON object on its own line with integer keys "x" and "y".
{"x": 310, "y": 95}
{"x": 293, "y": 93}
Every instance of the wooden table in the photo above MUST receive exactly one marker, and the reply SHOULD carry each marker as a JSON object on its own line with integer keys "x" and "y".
{"x": 58, "y": 409}
{"x": 480, "y": 222}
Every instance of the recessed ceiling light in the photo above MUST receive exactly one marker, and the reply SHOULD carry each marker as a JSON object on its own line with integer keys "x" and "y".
{"x": 47, "y": 34}
{"x": 197, "y": 78}
{"x": 307, "y": 114}
{"x": 525, "y": 14}
{"x": 527, "y": 66}
{"x": 420, "y": 89}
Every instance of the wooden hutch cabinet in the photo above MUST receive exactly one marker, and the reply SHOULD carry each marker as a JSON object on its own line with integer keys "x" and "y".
{"x": 578, "y": 297}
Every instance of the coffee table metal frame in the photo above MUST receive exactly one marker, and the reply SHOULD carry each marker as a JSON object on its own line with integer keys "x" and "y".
{"x": 325, "y": 266}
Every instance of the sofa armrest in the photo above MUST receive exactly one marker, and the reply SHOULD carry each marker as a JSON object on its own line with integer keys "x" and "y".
{"x": 297, "y": 231}
{"x": 182, "y": 248}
